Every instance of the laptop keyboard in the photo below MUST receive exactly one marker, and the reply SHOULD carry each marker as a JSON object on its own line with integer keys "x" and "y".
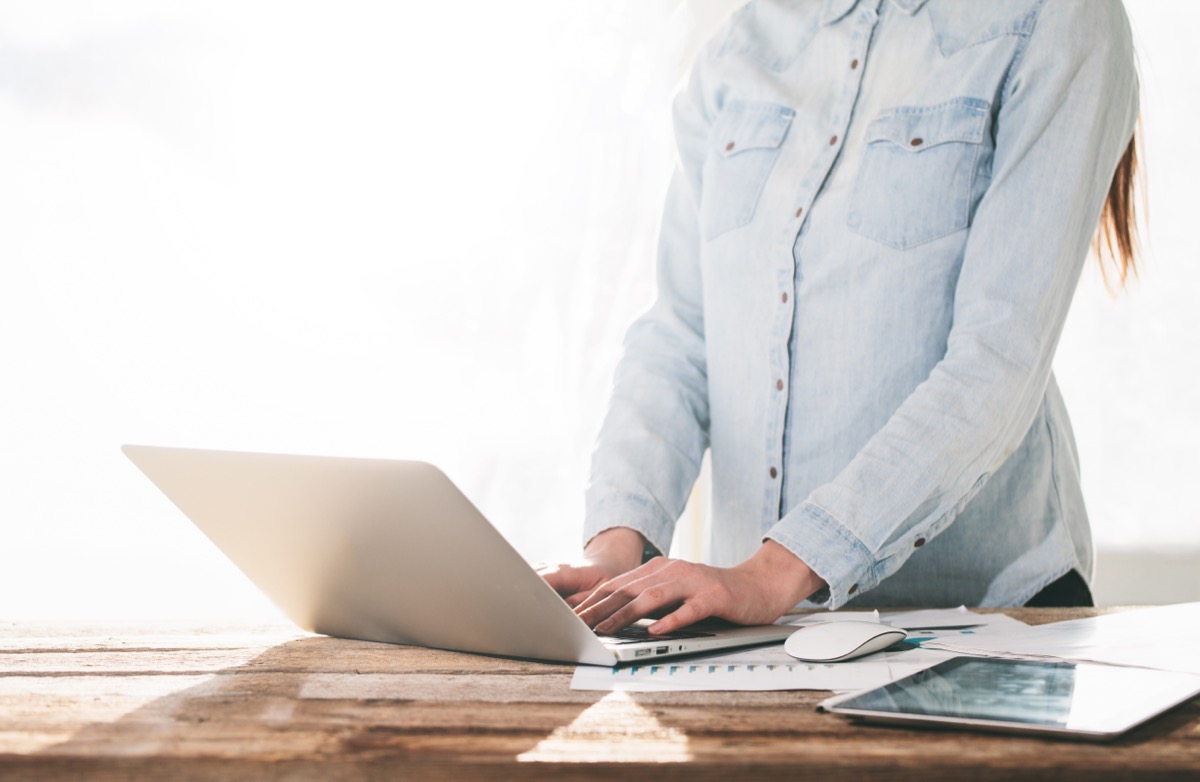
{"x": 634, "y": 634}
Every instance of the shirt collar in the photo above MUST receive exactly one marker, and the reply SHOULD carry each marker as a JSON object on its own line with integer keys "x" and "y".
{"x": 836, "y": 9}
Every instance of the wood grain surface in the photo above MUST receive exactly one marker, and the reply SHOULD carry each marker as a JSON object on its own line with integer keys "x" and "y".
{"x": 132, "y": 702}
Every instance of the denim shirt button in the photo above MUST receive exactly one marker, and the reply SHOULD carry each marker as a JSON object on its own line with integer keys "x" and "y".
{"x": 853, "y": 588}
{"x": 853, "y": 64}
{"x": 778, "y": 385}
{"x": 774, "y": 472}
{"x": 832, "y": 140}
{"x": 799, "y": 211}
{"x": 918, "y": 542}
{"x": 783, "y": 298}
{"x": 729, "y": 146}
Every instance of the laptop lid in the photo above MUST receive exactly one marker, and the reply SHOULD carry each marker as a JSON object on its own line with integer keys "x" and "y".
{"x": 387, "y": 550}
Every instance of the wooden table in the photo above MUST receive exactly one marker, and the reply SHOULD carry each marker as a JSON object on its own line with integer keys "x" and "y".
{"x": 125, "y": 702}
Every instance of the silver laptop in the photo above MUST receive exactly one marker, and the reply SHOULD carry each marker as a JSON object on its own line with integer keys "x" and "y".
{"x": 392, "y": 551}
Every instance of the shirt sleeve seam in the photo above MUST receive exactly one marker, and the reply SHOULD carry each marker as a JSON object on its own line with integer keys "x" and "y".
{"x": 1019, "y": 55}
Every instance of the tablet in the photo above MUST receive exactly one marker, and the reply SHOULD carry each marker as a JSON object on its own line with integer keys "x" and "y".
{"x": 1071, "y": 700}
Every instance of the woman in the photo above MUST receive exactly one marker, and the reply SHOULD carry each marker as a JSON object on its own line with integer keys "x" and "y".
{"x": 881, "y": 211}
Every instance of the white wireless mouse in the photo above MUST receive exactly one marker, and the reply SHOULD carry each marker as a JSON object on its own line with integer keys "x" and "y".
{"x": 831, "y": 642}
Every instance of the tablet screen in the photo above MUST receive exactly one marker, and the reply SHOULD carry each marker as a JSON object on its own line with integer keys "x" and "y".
{"x": 1021, "y": 694}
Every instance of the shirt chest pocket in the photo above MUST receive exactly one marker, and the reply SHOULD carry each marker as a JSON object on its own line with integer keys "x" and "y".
{"x": 918, "y": 179}
{"x": 744, "y": 145}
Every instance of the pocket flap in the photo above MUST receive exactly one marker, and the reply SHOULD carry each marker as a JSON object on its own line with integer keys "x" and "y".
{"x": 919, "y": 127}
{"x": 743, "y": 125}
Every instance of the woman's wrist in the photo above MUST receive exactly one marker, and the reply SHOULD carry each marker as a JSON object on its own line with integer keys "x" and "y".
{"x": 617, "y": 549}
{"x": 785, "y": 578}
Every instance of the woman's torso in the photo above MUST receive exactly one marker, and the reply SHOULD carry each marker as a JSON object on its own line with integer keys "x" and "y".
{"x": 851, "y": 145}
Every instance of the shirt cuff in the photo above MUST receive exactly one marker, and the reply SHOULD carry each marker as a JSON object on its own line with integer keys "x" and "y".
{"x": 832, "y": 551}
{"x": 633, "y": 511}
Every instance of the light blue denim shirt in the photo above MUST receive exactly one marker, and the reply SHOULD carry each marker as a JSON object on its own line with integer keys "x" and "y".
{"x": 880, "y": 214}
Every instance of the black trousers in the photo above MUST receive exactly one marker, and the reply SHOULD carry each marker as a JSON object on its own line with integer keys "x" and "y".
{"x": 1070, "y": 591}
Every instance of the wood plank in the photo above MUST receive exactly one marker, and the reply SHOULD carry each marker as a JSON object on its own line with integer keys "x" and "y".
{"x": 270, "y": 702}
{"x": 19, "y": 636}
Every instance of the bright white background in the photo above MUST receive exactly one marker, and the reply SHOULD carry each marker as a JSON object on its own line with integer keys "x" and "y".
{"x": 419, "y": 231}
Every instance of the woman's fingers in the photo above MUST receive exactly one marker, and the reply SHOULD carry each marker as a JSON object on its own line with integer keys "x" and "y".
{"x": 608, "y": 588}
{"x": 757, "y": 591}
{"x": 576, "y": 581}
{"x": 689, "y": 612}
{"x": 577, "y": 598}
{"x": 565, "y": 579}
{"x": 636, "y": 595}
{"x": 633, "y": 602}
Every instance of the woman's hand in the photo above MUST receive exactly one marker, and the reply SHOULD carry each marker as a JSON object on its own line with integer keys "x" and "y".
{"x": 758, "y": 591}
{"x": 608, "y": 555}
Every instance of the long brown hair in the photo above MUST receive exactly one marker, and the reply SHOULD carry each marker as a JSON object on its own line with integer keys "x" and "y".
{"x": 1116, "y": 239}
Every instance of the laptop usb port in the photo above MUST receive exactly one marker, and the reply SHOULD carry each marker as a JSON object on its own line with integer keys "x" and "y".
{"x": 662, "y": 650}
{"x": 640, "y": 652}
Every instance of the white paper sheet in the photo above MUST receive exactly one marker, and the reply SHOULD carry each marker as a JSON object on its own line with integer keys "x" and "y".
{"x": 1164, "y": 637}
{"x": 771, "y": 668}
